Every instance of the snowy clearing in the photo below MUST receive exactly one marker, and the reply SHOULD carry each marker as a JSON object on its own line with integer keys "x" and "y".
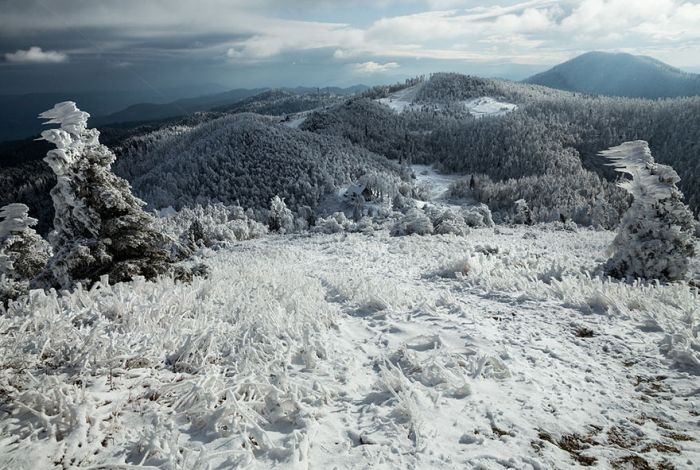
{"x": 296, "y": 120}
{"x": 493, "y": 350}
{"x": 438, "y": 184}
{"x": 487, "y": 106}
{"x": 404, "y": 100}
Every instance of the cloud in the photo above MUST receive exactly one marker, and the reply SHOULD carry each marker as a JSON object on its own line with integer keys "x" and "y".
{"x": 374, "y": 67}
{"x": 358, "y": 31}
{"x": 34, "y": 55}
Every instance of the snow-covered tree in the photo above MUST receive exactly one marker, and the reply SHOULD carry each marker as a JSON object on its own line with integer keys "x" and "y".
{"x": 281, "y": 218}
{"x": 23, "y": 253}
{"x": 655, "y": 239}
{"x": 100, "y": 228}
{"x": 26, "y": 252}
{"x": 522, "y": 215}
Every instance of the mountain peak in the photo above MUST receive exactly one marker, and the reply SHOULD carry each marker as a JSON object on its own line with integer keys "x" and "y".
{"x": 619, "y": 74}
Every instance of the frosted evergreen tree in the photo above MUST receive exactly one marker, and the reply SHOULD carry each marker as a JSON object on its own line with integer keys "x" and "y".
{"x": 100, "y": 228}
{"x": 655, "y": 239}
{"x": 522, "y": 215}
{"x": 26, "y": 251}
{"x": 281, "y": 218}
{"x": 23, "y": 253}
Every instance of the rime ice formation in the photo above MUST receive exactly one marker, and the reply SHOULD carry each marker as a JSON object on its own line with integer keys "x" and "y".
{"x": 100, "y": 227}
{"x": 23, "y": 253}
{"x": 655, "y": 239}
{"x": 15, "y": 219}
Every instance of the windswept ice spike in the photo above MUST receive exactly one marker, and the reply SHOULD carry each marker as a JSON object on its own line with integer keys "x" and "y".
{"x": 68, "y": 115}
{"x": 630, "y": 155}
{"x": 650, "y": 181}
{"x": 15, "y": 218}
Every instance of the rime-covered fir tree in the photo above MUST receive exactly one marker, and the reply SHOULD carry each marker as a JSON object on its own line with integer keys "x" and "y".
{"x": 522, "y": 214}
{"x": 100, "y": 228}
{"x": 24, "y": 248}
{"x": 655, "y": 239}
{"x": 23, "y": 253}
{"x": 281, "y": 218}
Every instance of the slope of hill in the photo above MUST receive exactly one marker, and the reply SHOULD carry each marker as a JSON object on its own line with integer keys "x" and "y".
{"x": 281, "y": 102}
{"x": 153, "y": 111}
{"x": 619, "y": 74}
{"x": 258, "y": 100}
{"x": 245, "y": 159}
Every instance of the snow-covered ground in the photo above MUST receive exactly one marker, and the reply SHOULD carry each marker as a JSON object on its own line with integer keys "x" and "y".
{"x": 438, "y": 184}
{"x": 404, "y": 99}
{"x": 493, "y": 350}
{"x": 487, "y": 106}
{"x": 296, "y": 120}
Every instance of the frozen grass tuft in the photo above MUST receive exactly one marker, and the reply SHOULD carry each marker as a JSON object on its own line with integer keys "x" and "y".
{"x": 212, "y": 358}
{"x": 531, "y": 275}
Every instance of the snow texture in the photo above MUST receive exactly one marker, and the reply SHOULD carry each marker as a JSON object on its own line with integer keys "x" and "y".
{"x": 487, "y": 106}
{"x": 495, "y": 350}
{"x": 405, "y": 100}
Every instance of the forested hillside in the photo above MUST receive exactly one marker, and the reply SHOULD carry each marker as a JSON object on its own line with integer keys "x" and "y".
{"x": 244, "y": 159}
{"x": 544, "y": 151}
{"x": 533, "y": 143}
{"x": 280, "y": 102}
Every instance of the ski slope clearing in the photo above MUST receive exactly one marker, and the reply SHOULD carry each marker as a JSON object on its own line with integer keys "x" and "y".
{"x": 403, "y": 99}
{"x": 493, "y": 350}
{"x": 487, "y": 106}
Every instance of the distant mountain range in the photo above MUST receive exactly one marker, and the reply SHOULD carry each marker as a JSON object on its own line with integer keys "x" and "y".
{"x": 619, "y": 74}
{"x": 18, "y": 113}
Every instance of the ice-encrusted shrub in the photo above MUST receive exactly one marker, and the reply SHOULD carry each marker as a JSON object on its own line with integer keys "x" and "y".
{"x": 99, "y": 227}
{"x": 446, "y": 221}
{"x": 334, "y": 223}
{"x": 401, "y": 203}
{"x": 655, "y": 239}
{"x": 280, "y": 218}
{"x": 364, "y": 225}
{"x": 478, "y": 216}
{"x": 421, "y": 192}
{"x": 414, "y": 221}
{"x": 211, "y": 226}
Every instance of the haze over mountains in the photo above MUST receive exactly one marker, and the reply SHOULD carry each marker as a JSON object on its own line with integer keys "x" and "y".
{"x": 619, "y": 74}
{"x": 18, "y": 112}
{"x": 599, "y": 73}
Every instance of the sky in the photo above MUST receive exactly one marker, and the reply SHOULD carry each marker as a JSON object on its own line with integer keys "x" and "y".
{"x": 97, "y": 45}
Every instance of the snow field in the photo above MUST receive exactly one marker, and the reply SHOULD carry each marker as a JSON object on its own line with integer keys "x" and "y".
{"x": 492, "y": 350}
{"x": 404, "y": 100}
